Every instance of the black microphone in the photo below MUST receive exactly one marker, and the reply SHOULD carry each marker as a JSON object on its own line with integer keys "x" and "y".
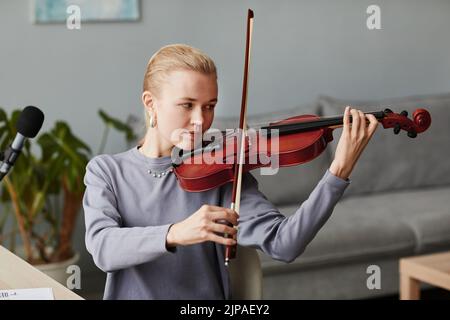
{"x": 28, "y": 125}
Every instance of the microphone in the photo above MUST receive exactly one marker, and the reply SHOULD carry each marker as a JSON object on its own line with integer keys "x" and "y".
{"x": 28, "y": 125}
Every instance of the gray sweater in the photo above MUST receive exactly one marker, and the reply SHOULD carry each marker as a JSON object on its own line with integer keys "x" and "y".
{"x": 128, "y": 213}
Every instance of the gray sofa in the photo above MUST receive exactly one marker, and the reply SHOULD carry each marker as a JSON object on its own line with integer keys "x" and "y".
{"x": 396, "y": 205}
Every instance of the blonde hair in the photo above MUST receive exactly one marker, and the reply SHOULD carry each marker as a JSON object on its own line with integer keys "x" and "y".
{"x": 174, "y": 57}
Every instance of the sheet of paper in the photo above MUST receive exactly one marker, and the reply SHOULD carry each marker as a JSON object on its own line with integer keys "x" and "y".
{"x": 27, "y": 294}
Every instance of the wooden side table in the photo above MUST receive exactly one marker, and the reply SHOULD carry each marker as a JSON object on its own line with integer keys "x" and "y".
{"x": 433, "y": 269}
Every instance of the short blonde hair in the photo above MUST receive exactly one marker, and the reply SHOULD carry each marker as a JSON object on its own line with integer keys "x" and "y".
{"x": 174, "y": 57}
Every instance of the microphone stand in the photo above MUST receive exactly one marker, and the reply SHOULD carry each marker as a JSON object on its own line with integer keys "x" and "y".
{"x": 2, "y": 158}
{"x": 7, "y": 158}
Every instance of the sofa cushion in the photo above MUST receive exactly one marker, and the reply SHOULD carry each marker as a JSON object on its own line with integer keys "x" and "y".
{"x": 293, "y": 184}
{"x": 392, "y": 162}
{"x": 425, "y": 211}
{"x": 290, "y": 184}
{"x": 369, "y": 227}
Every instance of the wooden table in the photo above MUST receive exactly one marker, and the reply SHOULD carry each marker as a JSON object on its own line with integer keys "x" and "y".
{"x": 16, "y": 273}
{"x": 433, "y": 269}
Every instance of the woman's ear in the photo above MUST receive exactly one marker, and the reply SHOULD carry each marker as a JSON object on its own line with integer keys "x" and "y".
{"x": 147, "y": 100}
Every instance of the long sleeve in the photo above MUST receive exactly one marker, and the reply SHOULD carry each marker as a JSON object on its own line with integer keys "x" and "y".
{"x": 112, "y": 246}
{"x": 283, "y": 238}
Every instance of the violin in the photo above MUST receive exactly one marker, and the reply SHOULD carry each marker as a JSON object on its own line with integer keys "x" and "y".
{"x": 297, "y": 140}
{"x": 282, "y": 143}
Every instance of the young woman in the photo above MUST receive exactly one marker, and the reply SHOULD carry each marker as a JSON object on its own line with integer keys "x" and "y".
{"x": 157, "y": 241}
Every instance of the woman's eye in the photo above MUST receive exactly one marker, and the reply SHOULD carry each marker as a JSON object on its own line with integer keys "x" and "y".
{"x": 210, "y": 107}
{"x": 186, "y": 105}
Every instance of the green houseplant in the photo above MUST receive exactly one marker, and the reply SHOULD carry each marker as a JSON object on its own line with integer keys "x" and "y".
{"x": 44, "y": 190}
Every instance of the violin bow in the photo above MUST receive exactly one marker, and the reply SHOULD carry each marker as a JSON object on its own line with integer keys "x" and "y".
{"x": 230, "y": 251}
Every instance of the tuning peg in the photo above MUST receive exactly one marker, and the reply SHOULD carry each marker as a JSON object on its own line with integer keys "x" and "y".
{"x": 397, "y": 128}
{"x": 412, "y": 134}
{"x": 387, "y": 110}
{"x": 404, "y": 113}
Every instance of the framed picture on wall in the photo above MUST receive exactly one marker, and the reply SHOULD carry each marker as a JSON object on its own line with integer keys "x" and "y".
{"x": 57, "y": 11}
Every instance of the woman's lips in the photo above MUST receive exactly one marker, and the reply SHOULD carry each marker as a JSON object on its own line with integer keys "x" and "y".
{"x": 188, "y": 134}
{"x": 191, "y": 134}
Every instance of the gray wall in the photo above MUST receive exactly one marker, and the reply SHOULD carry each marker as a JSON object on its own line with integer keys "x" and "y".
{"x": 301, "y": 49}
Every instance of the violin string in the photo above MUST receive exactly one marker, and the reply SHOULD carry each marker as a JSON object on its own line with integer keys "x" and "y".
{"x": 255, "y": 125}
{"x": 230, "y": 132}
{"x": 265, "y": 123}
{"x": 323, "y": 120}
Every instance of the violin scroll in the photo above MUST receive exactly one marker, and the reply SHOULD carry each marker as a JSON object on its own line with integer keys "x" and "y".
{"x": 421, "y": 121}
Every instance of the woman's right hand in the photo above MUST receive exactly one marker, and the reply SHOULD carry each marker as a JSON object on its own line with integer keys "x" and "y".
{"x": 203, "y": 226}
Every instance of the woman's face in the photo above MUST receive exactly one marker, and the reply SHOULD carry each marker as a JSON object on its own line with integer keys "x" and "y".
{"x": 184, "y": 107}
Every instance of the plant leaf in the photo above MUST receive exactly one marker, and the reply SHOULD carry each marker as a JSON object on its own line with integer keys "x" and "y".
{"x": 118, "y": 125}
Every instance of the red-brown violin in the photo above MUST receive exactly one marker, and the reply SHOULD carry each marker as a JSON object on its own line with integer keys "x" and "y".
{"x": 299, "y": 139}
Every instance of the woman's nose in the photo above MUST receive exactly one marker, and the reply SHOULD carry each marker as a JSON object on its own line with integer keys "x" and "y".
{"x": 197, "y": 120}
{"x": 197, "y": 126}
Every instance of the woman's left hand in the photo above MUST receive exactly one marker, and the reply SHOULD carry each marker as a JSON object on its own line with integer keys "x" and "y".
{"x": 353, "y": 140}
